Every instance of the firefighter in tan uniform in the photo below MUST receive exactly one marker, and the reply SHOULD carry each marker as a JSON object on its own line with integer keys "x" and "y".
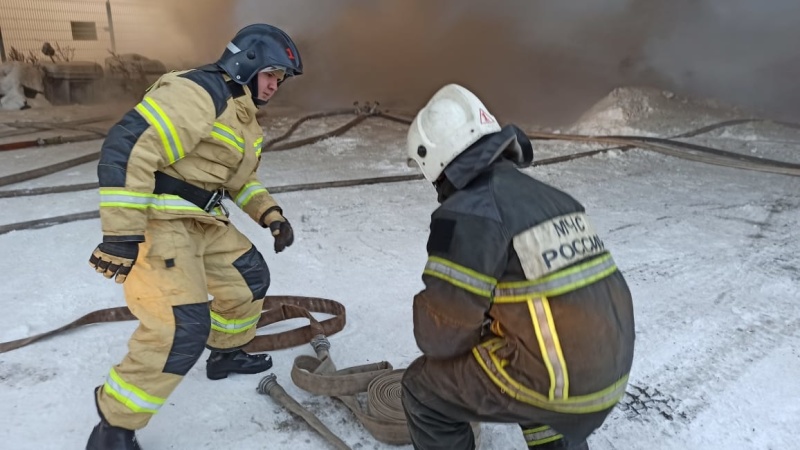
{"x": 163, "y": 171}
{"x": 525, "y": 317}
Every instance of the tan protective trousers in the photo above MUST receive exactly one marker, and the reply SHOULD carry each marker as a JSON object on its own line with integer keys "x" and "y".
{"x": 180, "y": 263}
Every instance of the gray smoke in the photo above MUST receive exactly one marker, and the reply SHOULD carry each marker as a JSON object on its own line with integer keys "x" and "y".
{"x": 536, "y": 59}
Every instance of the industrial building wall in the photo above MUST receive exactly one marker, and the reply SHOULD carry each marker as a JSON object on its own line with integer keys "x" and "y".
{"x": 82, "y": 27}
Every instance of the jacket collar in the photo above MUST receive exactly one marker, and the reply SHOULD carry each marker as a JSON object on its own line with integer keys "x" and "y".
{"x": 509, "y": 143}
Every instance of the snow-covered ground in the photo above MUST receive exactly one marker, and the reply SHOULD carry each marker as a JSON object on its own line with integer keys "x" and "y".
{"x": 710, "y": 254}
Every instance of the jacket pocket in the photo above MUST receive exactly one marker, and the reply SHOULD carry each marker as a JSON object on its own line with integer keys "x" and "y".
{"x": 164, "y": 241}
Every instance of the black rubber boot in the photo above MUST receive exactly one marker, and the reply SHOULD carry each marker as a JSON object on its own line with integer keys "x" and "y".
{"x": 108, "y": 437}
{"x": 220, "y": 364}
{"x": 561, "y": 444}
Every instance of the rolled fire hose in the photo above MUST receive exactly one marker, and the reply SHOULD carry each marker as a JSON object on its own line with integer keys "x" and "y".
{"x": 383, "y": 416}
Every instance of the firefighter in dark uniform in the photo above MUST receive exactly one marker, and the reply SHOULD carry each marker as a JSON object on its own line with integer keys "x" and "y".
{"x": 163, "y": 171}
{"x": 525, "y": 317}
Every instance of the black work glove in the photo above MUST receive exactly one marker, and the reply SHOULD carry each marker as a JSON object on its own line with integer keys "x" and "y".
{"x": 281, "y": 229}
{"x": 115, "y": 259}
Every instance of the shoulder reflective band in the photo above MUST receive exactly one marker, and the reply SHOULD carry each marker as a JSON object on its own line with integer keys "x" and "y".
{"x": 225, "y": 134}
{"x": 169, "y": 137}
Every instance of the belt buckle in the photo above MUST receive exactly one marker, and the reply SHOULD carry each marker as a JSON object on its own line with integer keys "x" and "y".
{"x": 214, "y": 200}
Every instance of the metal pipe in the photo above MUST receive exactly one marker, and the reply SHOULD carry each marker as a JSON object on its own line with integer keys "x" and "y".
{"x": 111, "y": 27}
{"x": 2, "y": 47}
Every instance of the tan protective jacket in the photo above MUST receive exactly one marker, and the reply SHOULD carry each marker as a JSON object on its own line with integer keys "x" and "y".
{"x": 193, "y": 125}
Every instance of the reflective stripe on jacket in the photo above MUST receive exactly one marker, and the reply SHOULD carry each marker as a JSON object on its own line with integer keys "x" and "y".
{"x": 555, "y": 334}
{"x": 190, "y": 127}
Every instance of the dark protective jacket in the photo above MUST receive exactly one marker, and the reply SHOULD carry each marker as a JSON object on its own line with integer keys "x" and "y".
{"x": 518, "y": 276}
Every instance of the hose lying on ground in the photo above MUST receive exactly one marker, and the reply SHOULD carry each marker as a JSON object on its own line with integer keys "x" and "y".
{"x": 277, "y": 308}
{"x": 32, "y": 127}
{"x": 302, "y": 120}
{"x": 47, "y": 170}
{"x": 741, "y": 163}
{"x": 58, "y": 167}
{"x": 693, "y": 152}
{"x": 314, "y": 139}
{"x": 95, "y": 132}
{"x": 57, "y": 220}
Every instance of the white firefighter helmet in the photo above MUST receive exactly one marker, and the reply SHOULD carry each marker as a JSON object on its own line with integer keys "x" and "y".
{"x": 453, "y": 119}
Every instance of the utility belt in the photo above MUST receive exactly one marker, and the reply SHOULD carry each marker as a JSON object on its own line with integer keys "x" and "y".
{"x": 203, "y": 199}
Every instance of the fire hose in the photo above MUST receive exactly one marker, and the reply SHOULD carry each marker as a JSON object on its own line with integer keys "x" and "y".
{"x": 383, "y": 417}
{"x": 671, "y": 147}
{"x": 372, "y": 392}
{"x": 271, "y": 145}
{"x": 383, "y": 414}
{"x": 276, "y": 309}
{"x": 362, "y": 112}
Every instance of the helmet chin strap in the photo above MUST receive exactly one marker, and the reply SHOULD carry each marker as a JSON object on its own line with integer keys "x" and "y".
{"x": 253, "y": 85}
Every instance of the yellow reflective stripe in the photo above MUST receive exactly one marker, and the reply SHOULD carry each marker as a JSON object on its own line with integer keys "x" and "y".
{"x": 248, "y": 191}
{"x": 119, "y": 198}
{"x": 460, "y": 276}
{"x": 169, "y": 137}
{"x": 228, "y": 130}
{"x": 550, "y": 346}
{"x": 543, "y": 349}
{"x": 258, "y": 144}
{"x": 131, "y": 396}
{"x": 535, "y": 437}
{"x": 123, "y": 192}
{"x": 232, "y": 326}
{"x": 138, "y": 200}
{"x": 172, "y": 132}
{"x": 579, "y": 404}
{"x": 225, "y": 134}
{"x": 561, "y": 282}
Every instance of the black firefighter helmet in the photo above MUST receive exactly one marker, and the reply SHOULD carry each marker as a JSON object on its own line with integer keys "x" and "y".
{"x": 255, "y": 48}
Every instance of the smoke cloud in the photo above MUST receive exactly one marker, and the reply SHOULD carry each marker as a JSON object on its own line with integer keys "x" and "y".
{"x": 532, "y": 60}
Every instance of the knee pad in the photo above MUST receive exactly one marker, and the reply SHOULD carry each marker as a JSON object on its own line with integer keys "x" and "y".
{"x": 192, "y": 327}
{"x": 255, "y": 272}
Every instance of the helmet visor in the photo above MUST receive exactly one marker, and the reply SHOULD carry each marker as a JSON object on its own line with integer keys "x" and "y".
{"x": 279, "y": 72}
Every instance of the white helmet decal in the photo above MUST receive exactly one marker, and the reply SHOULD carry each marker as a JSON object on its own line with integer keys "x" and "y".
{"x": 453, "y": 119}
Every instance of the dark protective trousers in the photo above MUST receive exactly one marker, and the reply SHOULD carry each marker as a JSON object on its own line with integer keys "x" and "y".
{"x": 442, "y": 397}
{"x": 180, "y": 263}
